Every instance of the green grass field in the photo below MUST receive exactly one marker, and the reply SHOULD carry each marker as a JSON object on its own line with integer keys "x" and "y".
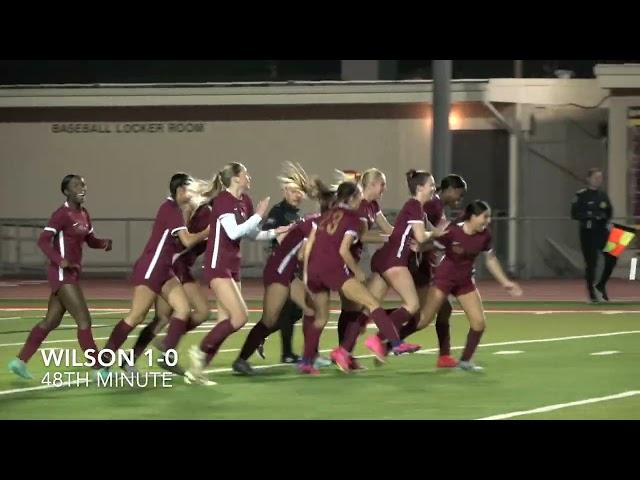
{"x": 539, "y": 365}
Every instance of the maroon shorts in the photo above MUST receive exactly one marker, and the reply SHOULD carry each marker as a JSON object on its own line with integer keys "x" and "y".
{"x": 220, "y": 272}
{"x": 154, "y": 279}
{"x": 454, "y": 286}
{"x": 383, "y": 261}
{"x": 183, "y": 272}
{"x": 328, "y": 279}
{"x": 276, "y": 272}
{"x": 61, "y": 276}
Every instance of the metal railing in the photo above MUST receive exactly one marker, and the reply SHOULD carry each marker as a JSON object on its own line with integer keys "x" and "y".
{"x": 546, "y": 247}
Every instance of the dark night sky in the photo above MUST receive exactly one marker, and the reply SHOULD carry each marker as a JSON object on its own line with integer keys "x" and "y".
{"x": 168, "y": 71}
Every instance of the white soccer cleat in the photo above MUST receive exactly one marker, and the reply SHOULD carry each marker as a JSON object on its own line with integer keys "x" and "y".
{"x": 198, "y": 358}
{"x": 191, "y": 379}
{"x": 469, "y": 367}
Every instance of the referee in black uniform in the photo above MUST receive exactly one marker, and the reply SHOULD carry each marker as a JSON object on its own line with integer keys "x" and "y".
{"x": 592, "y": 208}
{"x": 285, "y": 213}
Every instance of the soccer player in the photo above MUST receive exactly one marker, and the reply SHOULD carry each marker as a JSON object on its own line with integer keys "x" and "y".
{"x": 197, "y": 214}
{"x": 153, "y": 273}
{"x": 450, "y": 194}
{"x": 373, "y": 183}
{"x": 283, "y": 213}
{"x": 61, "y": 241}
{"x": 329, "y": 265}
{"x": 279, "y": 275}
{"x": 462, "y": 245}
{"x": 231, "y": 219}
{"x": 390, "y": 263}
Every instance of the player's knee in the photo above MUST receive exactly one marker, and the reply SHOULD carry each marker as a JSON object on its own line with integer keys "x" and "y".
{"x": 479, "y": 325}
{"x": 320, "y": 322}
{"x": 372, "y": 305}
{"x": 271, "y": 318}
{"x": 412, "y": 306}
{"x": 269, "y": 321}
{"x": 84, "y": 323}
{"x": 50, "y": 324}
{"x": 200, "y": 315}
{"x": 181, "y": 311}
{"x": 424, "y": 319}
{"x": 239, "y": 319}
{"x": 134, "y": 319}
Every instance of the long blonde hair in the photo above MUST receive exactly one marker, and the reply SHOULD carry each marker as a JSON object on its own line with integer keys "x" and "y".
{"x": 293, "y": 175}
{"x": 353, "y": 176}
{"x": 203, "y": 191}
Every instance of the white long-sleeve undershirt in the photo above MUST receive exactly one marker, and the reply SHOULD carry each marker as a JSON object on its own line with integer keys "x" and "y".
{"x": 250, "y": 228}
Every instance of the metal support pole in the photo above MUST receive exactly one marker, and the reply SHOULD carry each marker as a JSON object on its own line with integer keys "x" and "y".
{"x": 441, "y": 135}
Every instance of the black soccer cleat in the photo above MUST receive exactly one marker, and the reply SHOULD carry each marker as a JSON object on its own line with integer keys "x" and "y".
{"x": 290, "y": 358}
{"x": 242, "y": 367}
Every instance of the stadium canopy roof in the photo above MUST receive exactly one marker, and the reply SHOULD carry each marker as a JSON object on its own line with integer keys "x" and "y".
{"x": 535, "y": 91}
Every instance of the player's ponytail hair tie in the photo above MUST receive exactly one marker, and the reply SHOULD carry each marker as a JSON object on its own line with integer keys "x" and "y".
{"x": 411, "y": 173}
{"x": 223, "y": 178}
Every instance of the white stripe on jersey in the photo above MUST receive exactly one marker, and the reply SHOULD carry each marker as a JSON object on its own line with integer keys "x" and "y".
{"x": 60, "y": 269}
{"x": 216, "y": 244}
{"x": 156, "y": 255}
{"x": 404, "y": 239}
{"x": 285, "y": 261}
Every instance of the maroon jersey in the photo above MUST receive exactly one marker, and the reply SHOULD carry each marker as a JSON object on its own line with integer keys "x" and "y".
{"x": 421, "y": 263}
{"x": 332, "y": 227}
{"x": 368, "y": 212}
{"x": 162, "y": 244}
{"x": 396, "y": 251}
{"x": 70, "y": 229}
{"x": 198, "y": 222}
{"x": 222, "y": 253}
{"x": 434, "y": 209}
{"x": 461, "y": 250}
{"x": 285, "y": 253}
